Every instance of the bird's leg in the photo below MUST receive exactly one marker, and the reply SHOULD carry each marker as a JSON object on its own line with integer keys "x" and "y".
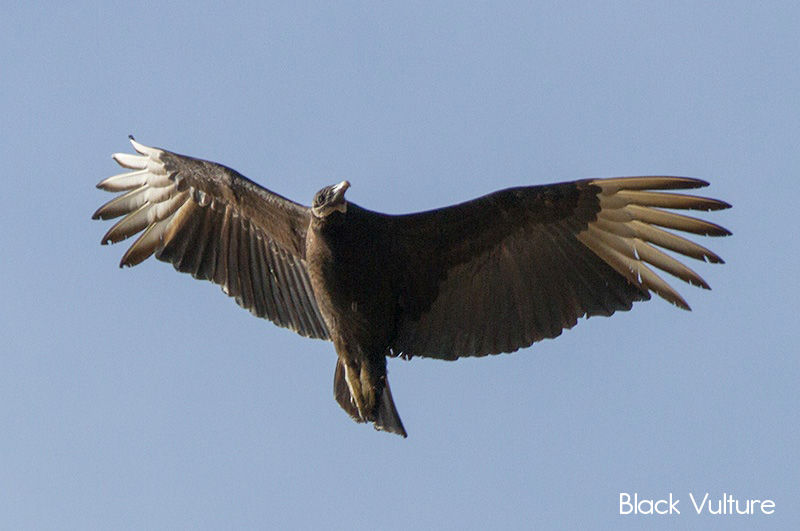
{"x": 368, "y": 392}
{"x": 362, "y": 391}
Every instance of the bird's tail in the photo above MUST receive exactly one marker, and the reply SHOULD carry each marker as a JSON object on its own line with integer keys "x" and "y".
{"x": 387, "y": 418}
{"x": 383, "y": 415}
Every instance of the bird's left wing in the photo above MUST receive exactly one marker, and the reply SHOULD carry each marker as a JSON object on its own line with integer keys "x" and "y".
{"x": 516, "y": 266}
{"x": 215, "y": 224}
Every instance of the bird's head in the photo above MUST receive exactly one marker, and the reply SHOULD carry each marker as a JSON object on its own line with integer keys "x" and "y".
{"x": 329, "y": 200}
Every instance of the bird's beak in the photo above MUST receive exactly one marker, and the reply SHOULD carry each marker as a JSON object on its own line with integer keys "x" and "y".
{"x": 340, "y": 189}
{"x": 338, "y": 196}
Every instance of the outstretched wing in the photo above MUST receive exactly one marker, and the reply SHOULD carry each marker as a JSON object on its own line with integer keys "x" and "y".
{"x": 210, "y": 221}
{"x": 520, "y": 265}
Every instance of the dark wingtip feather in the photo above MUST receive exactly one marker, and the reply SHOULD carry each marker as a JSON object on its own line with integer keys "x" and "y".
{"x": 697, "y": 183}
{"x": 717, "y": 230}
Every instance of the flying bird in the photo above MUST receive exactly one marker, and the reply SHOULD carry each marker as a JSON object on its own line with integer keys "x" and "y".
{"x": 487, "y": 276}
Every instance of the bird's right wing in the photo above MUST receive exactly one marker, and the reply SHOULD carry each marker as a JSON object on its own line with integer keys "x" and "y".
{"x": 215, "y": 224}
{"x": 500, "y": 272}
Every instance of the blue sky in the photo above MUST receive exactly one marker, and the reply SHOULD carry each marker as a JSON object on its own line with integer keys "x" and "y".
{"x": 143, "y": 399}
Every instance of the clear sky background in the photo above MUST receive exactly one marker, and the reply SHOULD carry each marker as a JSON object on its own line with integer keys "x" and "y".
{"x": 143, "y": 399}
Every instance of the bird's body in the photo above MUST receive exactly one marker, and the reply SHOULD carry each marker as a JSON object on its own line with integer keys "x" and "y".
{"x": 483, "y": 277}
{"x": 355, "y": 297}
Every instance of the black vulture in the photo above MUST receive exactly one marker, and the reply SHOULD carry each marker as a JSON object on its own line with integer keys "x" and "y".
{"x": 490, "y": 275}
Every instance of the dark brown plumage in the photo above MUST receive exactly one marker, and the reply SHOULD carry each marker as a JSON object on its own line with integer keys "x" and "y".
{"x": 487, "y": 276}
